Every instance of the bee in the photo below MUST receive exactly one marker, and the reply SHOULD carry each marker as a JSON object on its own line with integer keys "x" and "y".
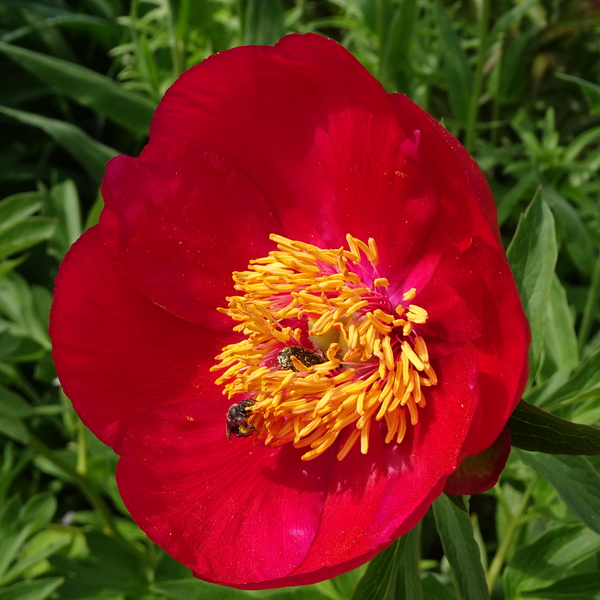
{"x": 237, "y": 419}
{"x": 306, "y": 357}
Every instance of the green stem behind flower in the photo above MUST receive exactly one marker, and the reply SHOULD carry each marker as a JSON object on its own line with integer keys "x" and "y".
{"x": 515, "y": 521}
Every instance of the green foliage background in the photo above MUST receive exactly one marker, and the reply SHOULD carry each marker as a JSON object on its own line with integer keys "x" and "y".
{"x": 518, "y": 81}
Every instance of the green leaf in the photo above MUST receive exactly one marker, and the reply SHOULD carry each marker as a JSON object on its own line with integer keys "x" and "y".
{"x": 25, "y": 234}
{"x": 434, "y": 589}
{"x": 193, "y": 589}
{"x": 561, "y": 340}
{"x": 89, "y": 153}
{"x": 263, "y": 22}
{"x": 398, "y": 40}
{"x": 29, "y": 561}
{"x": 575, "y": 480}
{"x": 456, "y": 532}
{"x": 13, "y": 428}
{"x": 458, "y": 501}
{"x": 511, "y": 17}
{"x": 62, "y": 203}
{"x": 93, "y": 215}
{"x": 591, "y": 90}
{"x": 583, "y": 586}
{"x": 532, "y": 256}
{"x": 31, "y": 590}
{"x": 18, "y": 303}
{"x": 394, "y": 573}
{"x": 18, "y": 523}
{"x": 100, "y": 93}
{"x": 536, "y": 430}
{"x": 583, "y": 384}
{"x": 12, "y": 404}
{"x": 455, "y": 65}
{"x": 576, "y": 237}
{"x": 18, "y": 207}
{"x": 6, "y": 266}
{"x": 38, "y": 510}
{"x": 550, "y": 556}
{"x": 109, "y": 570}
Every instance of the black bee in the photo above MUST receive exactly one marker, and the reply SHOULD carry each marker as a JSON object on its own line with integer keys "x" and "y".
{"x": 306, "y": 357}
{"x": 237, "y": 419}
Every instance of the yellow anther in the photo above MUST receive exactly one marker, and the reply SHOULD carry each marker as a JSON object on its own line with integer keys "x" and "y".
{"x": 370, "y": 365}
{"x": 409, "y": 295}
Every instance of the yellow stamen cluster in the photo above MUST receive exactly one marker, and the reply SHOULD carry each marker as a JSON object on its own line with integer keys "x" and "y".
{"x": 374, "y": 363}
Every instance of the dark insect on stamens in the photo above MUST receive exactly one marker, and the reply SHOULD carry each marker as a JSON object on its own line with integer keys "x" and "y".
{"x": 237, "y": 419}
{"x": 307, "y": 357}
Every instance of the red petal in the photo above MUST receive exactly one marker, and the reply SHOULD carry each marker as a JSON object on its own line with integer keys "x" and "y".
{"x": 460, "y": 185}
{"x": 186, "y": 221}
{"x": 480, "y": 472}
{"x": 258, "y": 517}
{"x": 503, "y": 346}
{"x": 117, "y": 354}
{"x": 307, "y": 117}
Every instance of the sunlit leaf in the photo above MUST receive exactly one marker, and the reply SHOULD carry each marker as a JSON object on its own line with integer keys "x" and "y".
{"x": 456, "y": 532}
{"x": 575, "y": 480}
{"x": 87, "y": 87}
{"x": 532, "y": 256}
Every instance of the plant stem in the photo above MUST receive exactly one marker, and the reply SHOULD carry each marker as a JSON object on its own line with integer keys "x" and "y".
{"x": 81, "y": 467}
{"x": 514, "y": 523}
{"x": 590, "y": 307}
{"x": 88, "y": 490}
{"x": 484, "y": 18}
{"x": 381, "y": 34}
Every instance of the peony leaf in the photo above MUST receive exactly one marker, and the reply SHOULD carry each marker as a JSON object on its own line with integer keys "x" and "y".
{"x": 456, "y": 532}
{"x": 548, "y": 558}
{"x": 582, "y": 586}
{"x": 561, "y": 340}
{"x": 31, "y": 590}
{"x": 101, "y": 94}
{"x": 191, "y": 589}
{"x": 536, "y": 430}
{"x": 456, "y": 67}
{"x": 532, "y": 256}
{"x": 434, "y": 588}
{"x": 571, "y": 230}
{"x": 17, "y": 208}
{"x": 398, "y": 40}
{"x": 89, "y": 153}
{"x": 394, "y": 573}
{"x": 263, "y": 21}
{"x": 62, "y": 203}
{"x": 458, "y": 501}
{"x": 575, "y": 480}
{"x": 583, "y": 385}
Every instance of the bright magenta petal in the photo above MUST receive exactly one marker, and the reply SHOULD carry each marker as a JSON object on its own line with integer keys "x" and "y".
{"x": 119, "y": 355}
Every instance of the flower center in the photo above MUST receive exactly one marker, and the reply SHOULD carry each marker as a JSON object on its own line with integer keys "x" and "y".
{"x": 326, "y": 350}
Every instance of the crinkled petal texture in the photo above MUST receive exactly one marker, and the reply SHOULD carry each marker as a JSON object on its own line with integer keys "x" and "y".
{"x": 297, "y": 140}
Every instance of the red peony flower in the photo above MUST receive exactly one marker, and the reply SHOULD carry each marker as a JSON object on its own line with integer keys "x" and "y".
{"x": 311, "y": 267}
